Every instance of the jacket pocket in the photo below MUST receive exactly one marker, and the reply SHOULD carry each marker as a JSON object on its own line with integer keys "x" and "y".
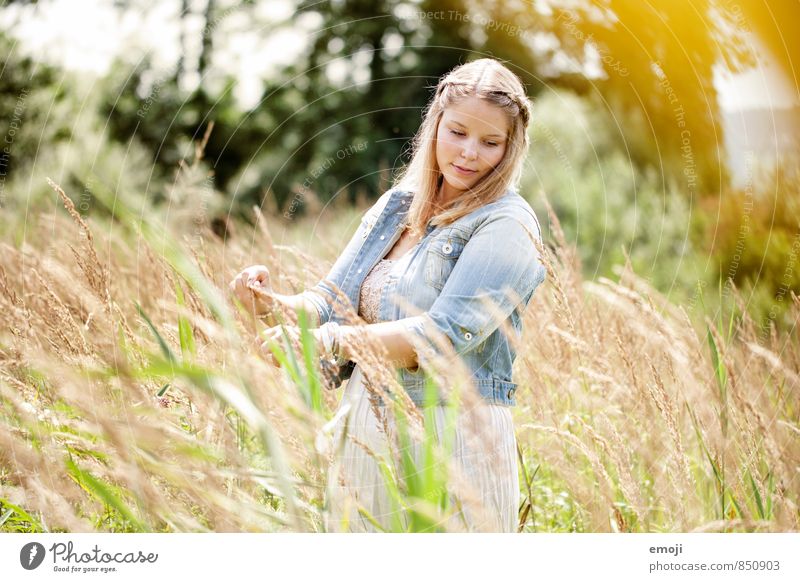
{"x": 442, "y": 255}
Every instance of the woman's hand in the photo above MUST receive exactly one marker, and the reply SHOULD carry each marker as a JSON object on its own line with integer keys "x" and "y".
{"x": 274, "y": 335}
{"x": 253, "y": 288}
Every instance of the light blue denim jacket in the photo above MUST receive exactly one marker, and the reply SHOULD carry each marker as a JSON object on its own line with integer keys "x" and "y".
{"x": 450, "y": 280}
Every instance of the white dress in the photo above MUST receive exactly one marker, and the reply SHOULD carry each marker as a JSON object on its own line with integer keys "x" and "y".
{"x": 483, "y": 486}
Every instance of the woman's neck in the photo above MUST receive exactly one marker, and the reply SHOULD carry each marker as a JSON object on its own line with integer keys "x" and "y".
{"x": 446, "y": 195}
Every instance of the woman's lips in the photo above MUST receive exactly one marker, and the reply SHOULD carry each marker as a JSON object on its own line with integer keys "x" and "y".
{"x": 463, "y": 171}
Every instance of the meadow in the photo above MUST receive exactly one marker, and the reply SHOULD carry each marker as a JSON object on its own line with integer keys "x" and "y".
{"x": 134, "y": 398}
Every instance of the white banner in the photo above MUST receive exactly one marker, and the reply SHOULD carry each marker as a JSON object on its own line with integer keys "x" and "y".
{"x": 390, "y": 557}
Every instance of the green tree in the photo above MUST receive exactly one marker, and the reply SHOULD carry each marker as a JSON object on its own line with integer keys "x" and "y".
{"x": 658, "y": 80}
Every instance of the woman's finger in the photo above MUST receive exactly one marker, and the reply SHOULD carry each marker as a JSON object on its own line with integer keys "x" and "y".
{"x": 235, "y": 282}
{"x": 241, "y": 287}
{"x": 256, "y": 274}
{"x": 267, "y": 354}
{"x": 254, "y": 279}
{"x": 275, "y": 335}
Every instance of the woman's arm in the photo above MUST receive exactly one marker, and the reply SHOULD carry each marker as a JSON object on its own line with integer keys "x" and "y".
{"x": 293, "y": 303}
{"x": 392, "y": 335}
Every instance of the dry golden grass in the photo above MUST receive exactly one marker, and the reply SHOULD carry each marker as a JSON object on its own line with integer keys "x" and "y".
{"x": 624, "y": 421}
{"x": 616, "y": 377}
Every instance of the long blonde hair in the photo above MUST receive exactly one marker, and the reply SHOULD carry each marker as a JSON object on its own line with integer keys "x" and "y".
{"x": 486, "y": 79}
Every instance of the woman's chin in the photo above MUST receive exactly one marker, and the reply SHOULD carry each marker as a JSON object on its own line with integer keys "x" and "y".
{"x": 457, "y": 183}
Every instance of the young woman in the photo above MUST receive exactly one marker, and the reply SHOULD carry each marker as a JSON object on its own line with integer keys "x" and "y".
{"x": 448, "y": 252}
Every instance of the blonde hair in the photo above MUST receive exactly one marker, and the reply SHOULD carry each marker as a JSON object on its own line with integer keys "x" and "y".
{"x": 491, "y": 81}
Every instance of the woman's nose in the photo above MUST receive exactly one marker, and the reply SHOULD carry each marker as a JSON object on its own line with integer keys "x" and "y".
{"x": 470, "y": 152}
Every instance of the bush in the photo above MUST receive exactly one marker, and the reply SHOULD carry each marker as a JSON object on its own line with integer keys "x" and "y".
{"x": 607, "y": 205}
{"x": 755, "y": 240}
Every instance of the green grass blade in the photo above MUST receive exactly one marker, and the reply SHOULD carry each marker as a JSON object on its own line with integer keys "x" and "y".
{"x": 239, "y": 400}
{"x": 104, "y": 493}
{"x": 313, "y": 384}
{"x": 18, "y": 514}
{"x": 434, "y": 455}
{"x": 701, "y": 297}
{"x": 371, "y": 518}
{"x": 185, "y": 332}
{"x": 736, "y": 505}
{"x": 409, "y": 469}
{"x": 395, "y": 497}
{"x": 756, "y": 495}
{"x": 161, "y": 342}
{"x": 288, "y": 362}
{"x": 719, "y": 365}
{"x": 769, "y": 495}
{"x": 730, "y": 324}
{"x": 717, "y": 473}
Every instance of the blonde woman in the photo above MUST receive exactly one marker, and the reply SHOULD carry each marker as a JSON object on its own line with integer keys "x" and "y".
{"x": 448, "y": 251}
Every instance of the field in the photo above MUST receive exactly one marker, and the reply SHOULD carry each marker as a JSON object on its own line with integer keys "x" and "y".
{"x": 134, "y": 399}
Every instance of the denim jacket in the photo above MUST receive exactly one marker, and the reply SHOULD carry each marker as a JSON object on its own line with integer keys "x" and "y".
{"x": 465, "y": 279}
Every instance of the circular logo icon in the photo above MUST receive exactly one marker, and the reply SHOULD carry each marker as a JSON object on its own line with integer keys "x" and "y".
{"x": 31, "y": 555}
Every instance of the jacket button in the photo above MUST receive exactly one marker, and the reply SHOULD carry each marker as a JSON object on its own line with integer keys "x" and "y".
{"x": 511, "y": 393}
{"x": 447, "y": 248}
{"x": 359, "y": 270}
{"x": 383, "y": 237}
{"x": 468, "y": 336}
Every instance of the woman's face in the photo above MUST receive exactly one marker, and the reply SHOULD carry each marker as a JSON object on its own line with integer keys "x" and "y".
{"x": 470, "y": 142}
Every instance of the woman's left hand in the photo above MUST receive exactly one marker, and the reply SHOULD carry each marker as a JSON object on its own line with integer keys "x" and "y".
{"x": 275, "y": 335}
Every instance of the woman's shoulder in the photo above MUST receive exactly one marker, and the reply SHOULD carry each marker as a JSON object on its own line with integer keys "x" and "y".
{"x": 512, "y": 206}
{"x": 392, "y": 194}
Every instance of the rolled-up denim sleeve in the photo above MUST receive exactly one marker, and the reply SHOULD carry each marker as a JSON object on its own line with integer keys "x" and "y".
{"x": 320, "y": 302}
{"x": 322, "y": 295}
{"x": 497, "y": 271}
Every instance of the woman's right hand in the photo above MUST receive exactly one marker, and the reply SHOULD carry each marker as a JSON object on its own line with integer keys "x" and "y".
{"x": 253, "y": 288}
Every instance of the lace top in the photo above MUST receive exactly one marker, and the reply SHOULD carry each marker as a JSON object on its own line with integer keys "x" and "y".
{"x": 369, "y": 302}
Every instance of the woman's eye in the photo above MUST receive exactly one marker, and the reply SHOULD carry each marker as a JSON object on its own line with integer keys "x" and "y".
{"x": 454, "y": 132}
{"x": 491, "y": 143}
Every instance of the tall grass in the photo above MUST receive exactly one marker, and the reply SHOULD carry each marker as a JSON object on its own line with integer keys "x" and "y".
{"x": 641, "y": 421}
{"x": 134, "y": 399}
